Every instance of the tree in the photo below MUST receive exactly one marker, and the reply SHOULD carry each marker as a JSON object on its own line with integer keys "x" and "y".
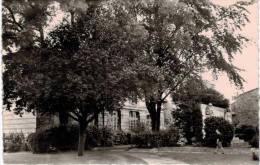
{"x": 188, "y": 96}
{"x": 24, "y": 23}
{"x": 182, "y": 39}
{"x": 194, "y": 90}
{"x": 188, "y": 118}
{"x": 81, "y": 71}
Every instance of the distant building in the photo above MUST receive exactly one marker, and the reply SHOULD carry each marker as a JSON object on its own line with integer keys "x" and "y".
{"x": 245, "y": 108}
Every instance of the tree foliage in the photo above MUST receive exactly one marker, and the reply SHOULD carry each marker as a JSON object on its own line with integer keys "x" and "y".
{"x": 182, "y": 39}
{"x": 195, "y": 90}
{"x": 81, "y": 71}
{"x": 188, "y": 119}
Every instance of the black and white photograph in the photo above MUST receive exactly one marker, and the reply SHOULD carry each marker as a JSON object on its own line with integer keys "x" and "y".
{"x": 130, "y": 82}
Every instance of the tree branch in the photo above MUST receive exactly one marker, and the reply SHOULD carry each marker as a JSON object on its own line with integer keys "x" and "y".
{"x": 183, "y": 78}
{"x": 73, "y": 117}
{"x": 91, "y": 118}
{"x": 12, "y": 16}
{"x": 76, "y": 114}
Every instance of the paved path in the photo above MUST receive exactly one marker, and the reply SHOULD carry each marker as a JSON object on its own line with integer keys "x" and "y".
{"x": 90, "y": 157}
{"x": 170, "y": 155}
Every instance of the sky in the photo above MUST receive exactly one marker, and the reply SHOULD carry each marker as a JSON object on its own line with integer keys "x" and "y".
{"x": 247, "y": 60}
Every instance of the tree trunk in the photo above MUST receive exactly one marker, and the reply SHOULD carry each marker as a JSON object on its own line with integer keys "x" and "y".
{"x": 153, "y": 122}
{"x": 158, "y": 116}
{"x": 154, "y": 110}
{"x": 82, "y": 139}
{"x": 119, "y": 120}
{"x": 96, "y": 121}
{"x": 63, "y": 118}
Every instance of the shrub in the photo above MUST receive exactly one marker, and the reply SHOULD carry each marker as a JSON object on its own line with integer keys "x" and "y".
{"x": 148, "y": 139}
{"x": 254, "y": 142}
{"x": 226, "y": 129}
{"x": 249, "y": 134}
{"x": 246, "y": 132}
{"x": 139, "y": 128}
{"x": 170, "y": 137}
{"x": 188, "y": 118}
{"x": 99, "y": 137}
{"x": 66, "y": 138}
{"x": 61, "y": 138}
{"x": 14, "y": 142}
{"x": 122, "y": 138}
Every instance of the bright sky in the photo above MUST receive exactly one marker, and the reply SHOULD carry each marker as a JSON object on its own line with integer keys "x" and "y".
{"x": 247, "y": 60}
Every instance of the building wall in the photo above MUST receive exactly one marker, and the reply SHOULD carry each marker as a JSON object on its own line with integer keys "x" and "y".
{"x": 126, "y": 118}
{"x": 15, "y": 124}
{"x": 28, "y": 123}
{"x": 215, "y": 111}
{"x": 245, "y": 108}
{"x": 208, "y": 111}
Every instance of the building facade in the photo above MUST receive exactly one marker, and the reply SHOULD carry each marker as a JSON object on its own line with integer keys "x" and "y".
{"x": 127, "y": 119}
{"x": 210, "y": 110}
{"x": 246, "y": 108}
{"x": 13, "y": 123}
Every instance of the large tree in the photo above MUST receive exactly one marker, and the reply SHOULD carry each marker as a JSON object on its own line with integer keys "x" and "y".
{"x": 82, "y": 69}
{"x": 182, "y": 39}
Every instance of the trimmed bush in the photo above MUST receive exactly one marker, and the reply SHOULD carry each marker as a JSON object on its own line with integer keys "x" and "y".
{"x": 226, "y": 129}
{"x": 99, "y": 137}
{"x": 57, "y": 138}
{"x": 249, "y": 134}
{"x": 149, "y": 139}
{"x": 246, "y": 132}
{"x": 66, "y": 138}
{"x": 254, "y": 142}
{"x": 122, "y": 138}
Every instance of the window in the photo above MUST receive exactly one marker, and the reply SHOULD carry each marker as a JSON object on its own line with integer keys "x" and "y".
{"x": 115, "y": 121}
{"x": 148, "y": 120}
{"x": 134, "y": 119}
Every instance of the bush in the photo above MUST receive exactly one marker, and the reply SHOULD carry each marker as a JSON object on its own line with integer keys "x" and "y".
{"x": 164, "y": 138}
{"x": 122, "y": 138}
{"x": 246, "y": 132}
{"x": 14, "y": 142}
{"x": 169, "y": 137}
{"x": 66, "y": 138}
{"x": 61, "y": 138}
{"x": 226, "y": 129}
{"x": 188, "y": 118}
{"x": 99, "y": 137}
{"x": 139, "y": 128}
{"x": 254, "y": 142}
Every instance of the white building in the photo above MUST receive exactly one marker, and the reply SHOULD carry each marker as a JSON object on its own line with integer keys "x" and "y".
{"x": 130, "y": 116}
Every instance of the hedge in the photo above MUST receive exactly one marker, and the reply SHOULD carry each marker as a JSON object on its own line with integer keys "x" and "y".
{"x": 149, "y": 139}
{"x": 66, "y": 138}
